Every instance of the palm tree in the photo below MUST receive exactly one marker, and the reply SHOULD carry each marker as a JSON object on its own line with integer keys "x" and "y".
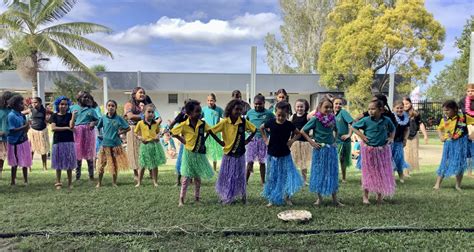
{"x": 28, "y": 29}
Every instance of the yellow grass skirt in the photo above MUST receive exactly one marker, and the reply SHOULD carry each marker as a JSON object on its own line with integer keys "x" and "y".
{"x": 3, "y": 150}
{"x": 133, "y": 145}
{"x": 411, "y": 153}
{"x": 112, "y": 158}
{"x": 302, "y": 153}
{"x": 39, "y": 140}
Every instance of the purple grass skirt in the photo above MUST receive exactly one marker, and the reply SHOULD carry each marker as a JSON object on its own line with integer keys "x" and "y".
{"x": 19, "y": 154}
{"x": 64, "y": 156}
{"x": 231, "y": 181}
{"x": 377, "y": 170}
{"x": 85, "y": 142}
{"x": 256, "y": 150}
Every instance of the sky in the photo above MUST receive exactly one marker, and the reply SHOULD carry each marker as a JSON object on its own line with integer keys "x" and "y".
{"x": 208, "y": 35}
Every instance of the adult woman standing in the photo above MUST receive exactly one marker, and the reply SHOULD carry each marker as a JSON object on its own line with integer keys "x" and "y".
{"x": 412, "y": 145}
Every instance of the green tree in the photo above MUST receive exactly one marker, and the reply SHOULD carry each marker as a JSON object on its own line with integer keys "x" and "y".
{"x": 71, "y": 86}
{"x": 301, "y": 36}
{"x": 7, "y": 63}
{"x": 98, "y": 68}
{"x": 29, "y": 28}
{"x": 450, "y": 83}
{"x": 364, "y": 38}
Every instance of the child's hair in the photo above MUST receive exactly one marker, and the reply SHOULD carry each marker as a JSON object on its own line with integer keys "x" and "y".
{"x": 4, "y": 99}
{"x": 470, "y": 86}
{"x": 398, "y": 103}
{"x": 15, "y": 101}
{"x": 235, "y": 93}
{"x": 282, "y": 91}
{"x": 306, "y": 104}
{"x": 58, "y": 101}
{"x": 378, "y": 103}
{"x": 213, "y": 96}
{"x": 115, "y": 103}
{"x": 40, "y": 101}
{"x": 412, "y": 112}
{"x": 231, "y": 105}
{"x": 149, "y": 105}
{"x": 283, "y": 105}
{"x": 259, "y": 97}
{"x": 323, "y": 101}
{"x": 84, "y": 94}
{"x": 381, "y": 97}
{"x": 451, "y": 104}
{"x": 343, "y": 101}
{"x": 191, "y": 106}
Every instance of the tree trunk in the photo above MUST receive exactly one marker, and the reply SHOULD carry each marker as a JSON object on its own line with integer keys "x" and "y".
{"x": 34, "y": 75}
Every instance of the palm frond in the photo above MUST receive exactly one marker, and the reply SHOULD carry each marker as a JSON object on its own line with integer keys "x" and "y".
{"x": 78, "y": 42}
{"x": 77, "y": 28}
{"x": 16, "y": 19}
{"x": 54, "y": 10}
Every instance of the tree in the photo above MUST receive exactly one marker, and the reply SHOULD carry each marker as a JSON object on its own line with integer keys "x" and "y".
{"x": 71, "y": 86}
{"x": 364, "y": 38}
{"x": 29, "y": 29}
{"x": 98, "y": 68}
{"x": 7, "y": 63}
{"x": 450, "y": 83}
{"x": 301, "y": 36}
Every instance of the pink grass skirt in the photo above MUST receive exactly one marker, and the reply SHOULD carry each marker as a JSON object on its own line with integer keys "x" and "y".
{"x": 84, "y": 142}
{"x": 377, "y": 170}
{"x": 19, "y": 154}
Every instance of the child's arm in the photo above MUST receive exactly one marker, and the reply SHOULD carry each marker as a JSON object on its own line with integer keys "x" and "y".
{"x": 311, "y": 141}
{"x": 180, "y": 138}
{"x": 123, "y": 131}
{"x": 361, "y": 136}
{"x": 73, "y": 119}
{"x": 424, "y": 132}
{"x": 264, "y": 135}
{"x": 391, "y": 137}
{"x": 250, "y": 127}
{"x": 296, "y": 136}
{"x": 405, "y": 136}
{"x": 441, "y": 135}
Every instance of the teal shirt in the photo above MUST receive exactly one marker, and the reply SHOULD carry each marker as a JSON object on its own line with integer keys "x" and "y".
{"x": 84, "y": 115}
{"x": 343, "y": 119}
{"x": 259, "y": 118}
{"x": 321, "y": 134}
{"x": 110, "y": 127}
{"x": 376, "y": 131}
{"x": 4, "y": 124}
{"x": 212, "y": 116}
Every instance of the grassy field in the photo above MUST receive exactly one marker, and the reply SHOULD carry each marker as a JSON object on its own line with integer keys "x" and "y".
{"x": 40, "y": 207}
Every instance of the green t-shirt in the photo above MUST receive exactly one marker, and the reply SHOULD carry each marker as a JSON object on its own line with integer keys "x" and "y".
{"x": 84, "y": 115}
{"x": 259, "y": 118}
{"x": 212, "y": 116}
{"x": 343, "y": 119}
{"x": 110, "y": 127}
{"x": 376, "y": 131}
{"x": 321, "y": 134}
{"x": 4, "y": 123}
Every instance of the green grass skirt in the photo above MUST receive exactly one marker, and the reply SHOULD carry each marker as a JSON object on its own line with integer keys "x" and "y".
{"x": 344, "y": 152}
{"x": 151, "y": 155}
{"x": 196, "y": 165}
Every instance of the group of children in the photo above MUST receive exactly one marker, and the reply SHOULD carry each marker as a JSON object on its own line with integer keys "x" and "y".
{"x": 281, "y": 142}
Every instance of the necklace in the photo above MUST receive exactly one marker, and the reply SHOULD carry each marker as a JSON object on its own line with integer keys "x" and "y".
{"x": 468, "y": 106}
{"x": 405, "y": 121}
{"x": 327, "y": 121}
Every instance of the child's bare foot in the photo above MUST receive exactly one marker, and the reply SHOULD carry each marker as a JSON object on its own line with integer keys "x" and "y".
{"x": 197, "y": 199}
{"x": 365, "y": 201}
{"x": 58, "y": 186}
{"x": 318, "y": 202}
{"x": 402, "y": 181}
{"x": 269, "y": 205}
{"x": 98, "y": 185}
{"x": 436, "y": 187}
{"x": 458, "y": 188}
{"x": 114, "y": 185}
{"x": 337, "y": 203}
{"x": 288, "y": 202}
{"x": 244, "y": 200}
{"x": 344, "y": 181}
{"x": 379, "y": 199}
{"x": 138, "y": 185}
{"x": 155, "y": 184}
{"x": 181, "y": 202}
{"x": 70, "y": 187}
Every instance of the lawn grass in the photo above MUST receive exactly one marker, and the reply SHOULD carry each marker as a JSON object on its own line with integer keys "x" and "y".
{"x": 40, "y": 207}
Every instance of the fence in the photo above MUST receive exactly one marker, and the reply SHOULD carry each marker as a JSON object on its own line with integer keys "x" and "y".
{"x": 431, "y": 112}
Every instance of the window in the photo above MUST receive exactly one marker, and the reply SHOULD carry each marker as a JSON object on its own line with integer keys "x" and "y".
{"x": 172, "y": 98}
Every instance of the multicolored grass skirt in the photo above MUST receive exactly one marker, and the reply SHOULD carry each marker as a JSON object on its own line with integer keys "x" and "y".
{"x": 377, "y": 170}
{"x": 213, "y": 149}
{"x": 344, "y": 151}
{"x": 39, "y": 140}
{"x": 231, "y": 181}
{"x": 196, "y": 165}
{"x": 398, "y": 157}
{"x": 301, "y": 153}
{"x": 411, "y": 153}
{"x": 84, "y": 138}
{"x": 179, "y": 160}
{"x": 282, "y": 179}
{"x": 454, "y": 160}
{"x": 112, "y": 158}
{"x": 63, "y": 156}
{"x": 151, "y": 155}
{"x": 324, "y": 177}
{"x": 133, "y": 144}
{"x": 19, "y": 154}
{"x": 3, "y": 150}
{"x": 256, "y": 150}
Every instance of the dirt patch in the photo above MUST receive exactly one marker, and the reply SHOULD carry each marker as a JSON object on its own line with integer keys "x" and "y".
{"x": 430, "y": 154}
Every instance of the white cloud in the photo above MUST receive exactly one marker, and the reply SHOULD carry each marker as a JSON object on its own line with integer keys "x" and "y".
{"x": 451, "y": 14}
{"x": 197, "y": 15}
{"x": 82, "y": 10}
{"x": 215, "y": 31}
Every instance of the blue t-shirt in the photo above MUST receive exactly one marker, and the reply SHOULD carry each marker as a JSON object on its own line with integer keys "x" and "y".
{"x": 4, "y": 124}
{"x": 84, "y": 115}
{"x": 321, "y": 134}
{"x": 259, "y": 118}
{"x": 16, "y": 120}
{"x": 111, "y": 126}
{"x": 376, "y": 131}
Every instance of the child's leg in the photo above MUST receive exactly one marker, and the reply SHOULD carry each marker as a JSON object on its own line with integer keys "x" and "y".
{"x": 304, "y": 173}
{"x": 184, "y": 188}
{"x": 439, "y": 179}
{"x": 101, "y": 176}
{"x": 215, "y": 165}
{"x": 25, "y": 174}
{"x": 114, "y": 179}
{"x": 140, "y": 177}
{"x": 44, "y": 158}
{"x": 13, "y": 177}
{"x": 319, "y": 200}
{"x": 458, "y": 182}
{"x": 401, "y": 176}
{"x": 335, "y": 201}
{"x": 2, "y": 162}
{"x": 58, "y": 176}
{"x": 154, "y": 175}
{"x": 365, "y": 197}
{"x": 178, "y": 180}
{"x": 90, "y": 168}
{"x": 136, "y": 174}
{"x": 69, "y": 178}
{"x": 262, "y": 173}
{"x": 249, "y": 171}
{"x": 78, "y": 169}
{"x": 379, "y": 198}
{"x": 343, "y": 170}
{"x": 197, "y": 190}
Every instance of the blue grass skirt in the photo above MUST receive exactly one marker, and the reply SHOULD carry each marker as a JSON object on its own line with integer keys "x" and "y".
{"x": 324, "y": 177}
{"x": 454, "y": 160}
{"x": 398, "y": 157}
{"x": 359, "y": 162}
{"x": 282, "y": 179}
{"x": 179, "y": 160}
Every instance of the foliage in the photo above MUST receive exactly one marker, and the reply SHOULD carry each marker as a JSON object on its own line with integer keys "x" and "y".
{"x": 450, "y": 83}
{"x": 6, "y": 63}
{"x": 71, "y": 86}
{"x": 368, "y": 37}
{"x": 98, "y": 68}
{"x": 33, "y": 34}
{"x": 301, "y": 36}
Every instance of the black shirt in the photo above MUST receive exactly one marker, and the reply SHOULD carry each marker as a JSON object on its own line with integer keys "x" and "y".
{"x": 38, "y": 118}
{"x": 279, "y": 136}
{"x": 62, "y": 121}
{"x": 299, "y": 122}
{"x": 400, "y": 131}
{"x": 414, "y": 126}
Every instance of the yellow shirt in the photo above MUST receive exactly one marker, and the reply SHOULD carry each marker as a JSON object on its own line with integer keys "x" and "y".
{"x": 229, "y": 131}
{"x": 448, "y": 126}
{"x": 147, "y": 132}
{"x": 469, "y": 120}
{"x": 189, "y": 134}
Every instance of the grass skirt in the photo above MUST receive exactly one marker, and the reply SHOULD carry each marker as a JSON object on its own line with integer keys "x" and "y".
{"x": 85, "y": 142}
{"x": 179, "y": 160}
{"x": 20, "y": 154}
{"x": 256, "y": 150}
{"x": 64, "y": 156}
{"x": 151, "y": 155}
{"x": 471, "y": 150}
{"x": 344, "y": 151}
{"x": 359, "y": 162}
{"x": 3, "y": 150}
{"x": 454, "y": 160}
{"x": 112, "y": 158}
{"x": 213, "y": 149}
{"x": 398, "y": 157}
{"x": 301, "y": 154}
{"x": 324, "y": 177}
{"x": 39, "y": 140}
{"x": 133, "y": 144}
{"x": 231, "y": 181}
{"x": 195, "y": 165}
{"x": 377, "y": 169}
{"x": 411, "y": 153}
{"x": 282, "y": 179}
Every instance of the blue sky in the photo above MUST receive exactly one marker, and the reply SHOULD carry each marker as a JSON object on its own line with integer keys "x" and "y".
{"x": 208, "y": 36}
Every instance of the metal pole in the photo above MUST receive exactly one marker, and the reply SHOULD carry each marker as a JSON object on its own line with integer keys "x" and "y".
{"x": 471, "y": 61}
{"x": 139, "y": 79}
{"x": 253, "y": 73}
{"x": 247, "y": 93}
{"x": 106, "y": 91}
{"x": 391, "y": 90}
{"x": 40, "y": 87}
